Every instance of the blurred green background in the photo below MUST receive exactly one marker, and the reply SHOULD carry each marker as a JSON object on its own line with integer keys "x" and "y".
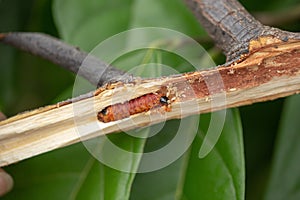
{"x": 28, "y": 82}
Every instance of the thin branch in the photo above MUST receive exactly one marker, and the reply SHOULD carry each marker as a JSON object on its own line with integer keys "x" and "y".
{"x": 271, "y": 72}
{"x": 66, "y": 56}
{"x": 231, "y": 26}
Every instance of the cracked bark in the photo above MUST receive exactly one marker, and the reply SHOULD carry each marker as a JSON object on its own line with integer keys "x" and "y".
{"x": 231, "y": 27}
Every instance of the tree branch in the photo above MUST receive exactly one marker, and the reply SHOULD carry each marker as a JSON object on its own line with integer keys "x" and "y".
{"x": 232, "y": 27}
{"x": 66, "y": 56}
{"x": 266, "y": 67}
{"x": 270, "y": 73}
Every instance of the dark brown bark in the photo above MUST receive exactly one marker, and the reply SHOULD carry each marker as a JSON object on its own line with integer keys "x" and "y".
{"x": 232, "y": 27}
{"x": 69, "y": 57}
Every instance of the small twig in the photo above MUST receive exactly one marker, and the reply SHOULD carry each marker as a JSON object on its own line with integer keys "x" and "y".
{"x": 66, "y": 56}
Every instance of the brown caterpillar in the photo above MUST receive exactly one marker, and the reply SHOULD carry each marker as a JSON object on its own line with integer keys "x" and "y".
{"x": 134, "y": 106}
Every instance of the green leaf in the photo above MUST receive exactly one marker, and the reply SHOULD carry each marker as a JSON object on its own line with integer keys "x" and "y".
{"x": 86, "y": 23}
{"x": 68, "y": 173}
{"x": 285, "y": 175}
{"x": 103, "y": 182}
{"x": 260, "y": 122}
{"x": 51, "y": 176}
{"x": 159, "y": 185}
{"x": 163, "y": 13}
{"x": 163, "y": 183}
{"x": 220, "y": 175}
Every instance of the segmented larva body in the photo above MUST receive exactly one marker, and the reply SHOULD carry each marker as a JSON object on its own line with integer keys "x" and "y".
{"x": 134, "y": 106}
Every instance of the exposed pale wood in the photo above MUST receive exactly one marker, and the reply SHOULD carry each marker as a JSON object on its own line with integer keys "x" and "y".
{"x": 266, "y": 73}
